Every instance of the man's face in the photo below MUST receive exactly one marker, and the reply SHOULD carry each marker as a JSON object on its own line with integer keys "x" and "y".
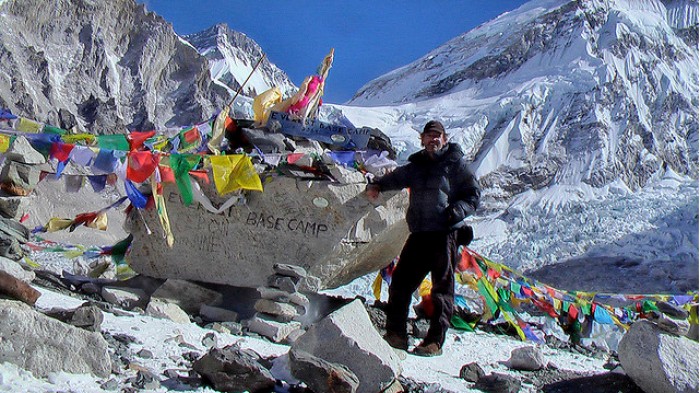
{"x": 433, "y": 141}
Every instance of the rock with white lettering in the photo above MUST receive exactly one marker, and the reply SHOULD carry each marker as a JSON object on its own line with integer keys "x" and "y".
{"x": 331, "y": 230}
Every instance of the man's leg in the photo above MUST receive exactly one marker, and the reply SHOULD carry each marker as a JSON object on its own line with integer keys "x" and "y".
{"x": 407, "y": 276}
{"x": 442, "y": 294}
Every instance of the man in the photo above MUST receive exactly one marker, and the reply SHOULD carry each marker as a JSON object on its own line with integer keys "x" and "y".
{"x": 442, "y": 193}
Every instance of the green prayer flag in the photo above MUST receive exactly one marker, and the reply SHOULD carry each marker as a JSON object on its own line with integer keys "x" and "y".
{"x": 53, "y": 130}
{"x": 490, "y": 301}
{"x": 460, "y": 324}
{"x": 181, "y": 165}
{"x": 113, "y": 142}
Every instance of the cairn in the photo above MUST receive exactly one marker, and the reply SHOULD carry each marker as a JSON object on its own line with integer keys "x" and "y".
{"x": 281, "y": 307}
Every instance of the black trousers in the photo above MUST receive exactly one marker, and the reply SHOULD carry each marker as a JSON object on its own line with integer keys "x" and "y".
{"x": 424, "y": 252}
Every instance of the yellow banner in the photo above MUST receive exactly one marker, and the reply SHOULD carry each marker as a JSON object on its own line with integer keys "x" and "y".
{"x": 234, "y": 172}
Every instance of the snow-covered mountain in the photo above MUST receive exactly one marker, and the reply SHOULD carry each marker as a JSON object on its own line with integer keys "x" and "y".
{"x": 102, "y": 66}
{"x": 232, "y": 56}
{"x": 563, "y": 92}
{"x": 582, "y": 119}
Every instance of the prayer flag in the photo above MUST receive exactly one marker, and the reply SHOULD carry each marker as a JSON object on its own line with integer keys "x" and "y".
{"x": 181, "y": 164}
{"x": 234, "y": 172}
{"x": 137, "y": 138}
{"x": 141, "y": 164}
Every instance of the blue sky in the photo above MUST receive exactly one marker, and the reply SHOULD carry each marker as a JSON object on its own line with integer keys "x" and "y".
{"x": 370, "y": 37}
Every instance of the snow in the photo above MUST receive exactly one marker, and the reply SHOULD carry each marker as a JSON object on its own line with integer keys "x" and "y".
{"x": 163, "y": 338}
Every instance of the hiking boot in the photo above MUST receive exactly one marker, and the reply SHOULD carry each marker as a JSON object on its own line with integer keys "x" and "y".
{"x": 397, "y": 341}
{"x": 427, "y": 349}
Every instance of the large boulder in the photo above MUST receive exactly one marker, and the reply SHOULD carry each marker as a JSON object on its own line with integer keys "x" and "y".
{"x": 659, "y": 362}
{"x": 348, "y": 338}
{"x": 330, "y": 229}
{"x": 44, "y": 345}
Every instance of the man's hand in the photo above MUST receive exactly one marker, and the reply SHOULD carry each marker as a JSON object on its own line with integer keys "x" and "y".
{"x": 372, "y": 192}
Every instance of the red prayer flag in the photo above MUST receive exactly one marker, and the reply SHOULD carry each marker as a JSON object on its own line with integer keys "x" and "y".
{"x": 140, "y": 165}
{"x": 61, "y": 151}
{"x": 136, "y": 139}
{"x": 166, "y": 174}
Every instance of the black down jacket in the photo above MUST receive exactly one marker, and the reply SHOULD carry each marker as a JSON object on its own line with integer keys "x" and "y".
{"x": 442, "y": 192}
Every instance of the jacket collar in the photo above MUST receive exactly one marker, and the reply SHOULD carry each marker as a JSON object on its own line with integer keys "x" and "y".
{"x": 451, "y": 152}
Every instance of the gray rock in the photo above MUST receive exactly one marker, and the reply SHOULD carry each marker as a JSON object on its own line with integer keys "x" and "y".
{"x": 322, "y": 376}
{"x": 498, "y": 383}
{"x": 127, "y": 298}
{"x": 471, "y": 372}
{"x": 187, "y": 295}
{"x": 23, "y": 177}
{"x": 270, "y": 328}
{"x": 231, "y": 369}
{"x": 164, "y": 309}
{"x": 672, "y": 310}
{"x": 289, "y": 270}
{"x": 283, "y": 296}
{"x": 658, "y": 361}
{"x": 283, "y": 311}
{"x": 22, "y": 151}
{"x": 679, "y": 327}
{"x": 528, "y": 358}
{"x": 86, "y": 316}
{"x": 16, "y": 270}
{"x": 43, "y": 345}
{"x": 364, "y": 351}
{"x": 217, "y": 314}
{"x": 14, "y": 206}
{"x": 335, "y": 243}
{"x": 284, "y": 283}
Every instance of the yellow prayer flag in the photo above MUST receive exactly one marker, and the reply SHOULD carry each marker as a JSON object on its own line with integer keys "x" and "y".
{"x": 57, "y": 224}
{"x": 26, "y": 125}
{"x": 234, "y": 172}
{"x": 4, "y": 143}
{"x": 73, "y": 138}
{"x": 377, "y": 286}
{"x": 100, "y": 222}
{"x": 217, "y": 132}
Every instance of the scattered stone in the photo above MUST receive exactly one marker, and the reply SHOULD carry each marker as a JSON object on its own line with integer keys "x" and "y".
{"x": 230, "y": 369}
{"x": 599, "y": 383}
{"x": 17, "y": 289}
{"x": 209, "y": 340}
{"x": 272, "y": 329}
{"x": 419, "y": 327}
{"x": 187, "y": 295}
{"x": 672, "y": 310}
{"x": 160, "y": 308}
{"x": 658, "y": 361}
{"x": 15, "y": 269}
{"x": 284, "y": 283}
{"x": 38, "y": 343}
{"x": 471, "y": 372}
{"x": 285, "y": 312}
{"x": 364, "y": 352}
{"x": 14, "y": 206}
{"x": 528, "y": 358}
{"x": 19, "y": 179}
{"x": 86, "y": 316}
{"x": 145, "y": 354}
{"x": 498, "y": 383}
{"x": 217, "y": 314}
{"x": 284, "y": 297}
{"x": 322, "y": 376}
{"x": 680, "y": 327}
{"x": 126, "y": 298}
{"x": 295, "y": 272}
{"x": 22, "y": 151}
{"x": 111, "y": 384}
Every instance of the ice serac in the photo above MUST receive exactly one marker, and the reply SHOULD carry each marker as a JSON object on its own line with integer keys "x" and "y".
{"x": 329, "y": 229}
{"x": 564, "y": 92}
